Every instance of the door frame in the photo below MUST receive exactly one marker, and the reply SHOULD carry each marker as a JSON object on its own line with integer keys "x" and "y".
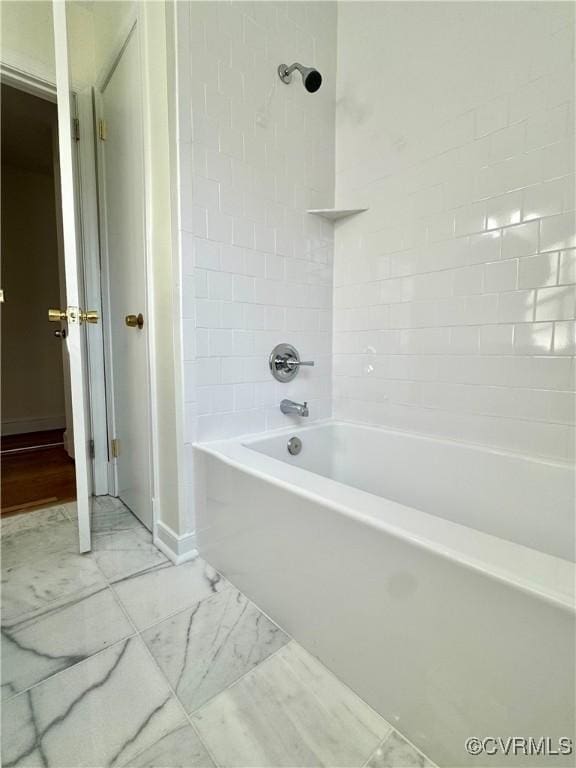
{"x": 101, "y": 81}
{"x": 90, "y": 258}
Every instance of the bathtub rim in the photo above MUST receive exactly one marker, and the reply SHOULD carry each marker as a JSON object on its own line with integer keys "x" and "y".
{"x": 251, "y": 438}
{"x": 543, "y": 576}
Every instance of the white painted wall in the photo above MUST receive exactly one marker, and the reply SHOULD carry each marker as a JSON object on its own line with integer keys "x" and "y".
{"x": 95, "y": 33}
{"x": 111, "y": 23}
{"x": 26, "y": 37}
{"x": 454, "y": 295}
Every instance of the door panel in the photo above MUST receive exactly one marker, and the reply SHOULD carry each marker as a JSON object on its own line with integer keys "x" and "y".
{"x": 122, "y": 171}
{"x": 76, "y": 338}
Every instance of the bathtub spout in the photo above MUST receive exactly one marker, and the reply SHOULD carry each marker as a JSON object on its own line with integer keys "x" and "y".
{"x": 290, "y": 407}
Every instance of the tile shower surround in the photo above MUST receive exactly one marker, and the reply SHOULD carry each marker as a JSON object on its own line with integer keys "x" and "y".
{"x": 255, "y": 154}
{"x": 454, "y": 297}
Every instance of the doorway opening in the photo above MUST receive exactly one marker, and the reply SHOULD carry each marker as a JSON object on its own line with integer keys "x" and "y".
{"x": 36, "y": 424}
{"x": 93, "y": 153}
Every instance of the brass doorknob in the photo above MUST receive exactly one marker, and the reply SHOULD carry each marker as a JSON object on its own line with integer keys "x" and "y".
{"x": 73, "y": 315}
{"x": 135, "y": 321}
{"x": 57, "y": 315}
{"x": 90, "y": 316}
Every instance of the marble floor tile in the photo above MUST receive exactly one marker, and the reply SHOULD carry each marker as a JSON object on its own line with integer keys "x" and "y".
{"x": 157, "y": 594}
{"x": 110, "y": 514}
{"x": 206, "y": 648}
{"x": 124, "y": 553}
{"x": 396, "y": 752}
{"x": 102, "y": 712}
{"x": 106, "y": 501}
{"x": 179, "y": 749}
{"x": 30, "y": 544}
{"x": 290, "y": 711}
{"x": 71, "y": 510}
{"x": 48, "y": 582}
{"x": 28, "y": 520}
{"x": 54, "y": 639}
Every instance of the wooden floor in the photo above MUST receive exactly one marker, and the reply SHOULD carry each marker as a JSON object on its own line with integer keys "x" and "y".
{"x": 36, "y": 472}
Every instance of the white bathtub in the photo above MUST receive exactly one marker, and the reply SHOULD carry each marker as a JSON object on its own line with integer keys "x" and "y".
{"x": 435, "y": 578}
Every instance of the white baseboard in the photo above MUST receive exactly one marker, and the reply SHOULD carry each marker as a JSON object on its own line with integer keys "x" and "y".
{"x": 33, "y": 424}
{"x": 178, "y": 549}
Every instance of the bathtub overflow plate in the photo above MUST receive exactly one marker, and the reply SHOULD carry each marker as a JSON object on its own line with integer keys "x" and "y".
{"x": 294, "y": 446}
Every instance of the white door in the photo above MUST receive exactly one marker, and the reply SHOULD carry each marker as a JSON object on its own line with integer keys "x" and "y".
{"x": 74, "y": 316}
{"x": 121, "y": 164}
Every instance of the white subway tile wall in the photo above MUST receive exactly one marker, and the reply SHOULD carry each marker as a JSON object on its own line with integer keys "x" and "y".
{"x": 454, "y": 294}
{"x": 254, "y": 155}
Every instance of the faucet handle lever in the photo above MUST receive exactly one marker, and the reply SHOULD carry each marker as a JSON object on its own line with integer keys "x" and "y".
{"x": 284, "y": 362}
{"x": 291, "y": 363}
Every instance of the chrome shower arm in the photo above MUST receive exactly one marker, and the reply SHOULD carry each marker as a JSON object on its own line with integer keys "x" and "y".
{"x": 287, "y": 71}
{"x": 311, "y": 78}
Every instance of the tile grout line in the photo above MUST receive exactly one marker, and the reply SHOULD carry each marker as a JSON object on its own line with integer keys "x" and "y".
{"x": 327, "y": 669}
{"x": 136, "y": 574}
{"x": 72, "y": 666}
{"x": 293, "y": 639}
{"x": 192, "y": 605}
{"x": 268, "y": 658}
{"x": 178, "y": 610}
{"x": 189, "y": 716}
{"x": 395, "y": 731}
{"x": 107, "y": 587}
{"x": 206, "y": 747}
{"x": 168, "y": 683}
{"x": 138, "y": 633}
{"x": 344, "y": 685}
{"x": 316, "y": 660}
{"x": 380, "y": 745}
{"x": 239, "y": 679}
{"x": 117, "y": 601}
{"x": 80, "y": 594}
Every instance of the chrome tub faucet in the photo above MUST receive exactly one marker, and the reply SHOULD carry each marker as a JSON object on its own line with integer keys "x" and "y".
{"x": 289, "y": 407}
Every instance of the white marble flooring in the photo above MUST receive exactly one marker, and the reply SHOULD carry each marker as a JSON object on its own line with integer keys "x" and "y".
{"x": 119, "y": 658}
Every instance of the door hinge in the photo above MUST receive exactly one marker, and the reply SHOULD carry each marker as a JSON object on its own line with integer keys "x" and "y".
{"x": 115, "y": 448}
{"x": 102, "y": 130}
{"x": 76, "y": 129}
{"x": 91, "y": 449}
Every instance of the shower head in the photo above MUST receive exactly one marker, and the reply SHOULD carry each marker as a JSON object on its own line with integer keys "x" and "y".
{"x": 311, "y": 78}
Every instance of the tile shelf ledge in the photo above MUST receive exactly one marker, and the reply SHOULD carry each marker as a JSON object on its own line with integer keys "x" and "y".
{"x": 334, "y": 214}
